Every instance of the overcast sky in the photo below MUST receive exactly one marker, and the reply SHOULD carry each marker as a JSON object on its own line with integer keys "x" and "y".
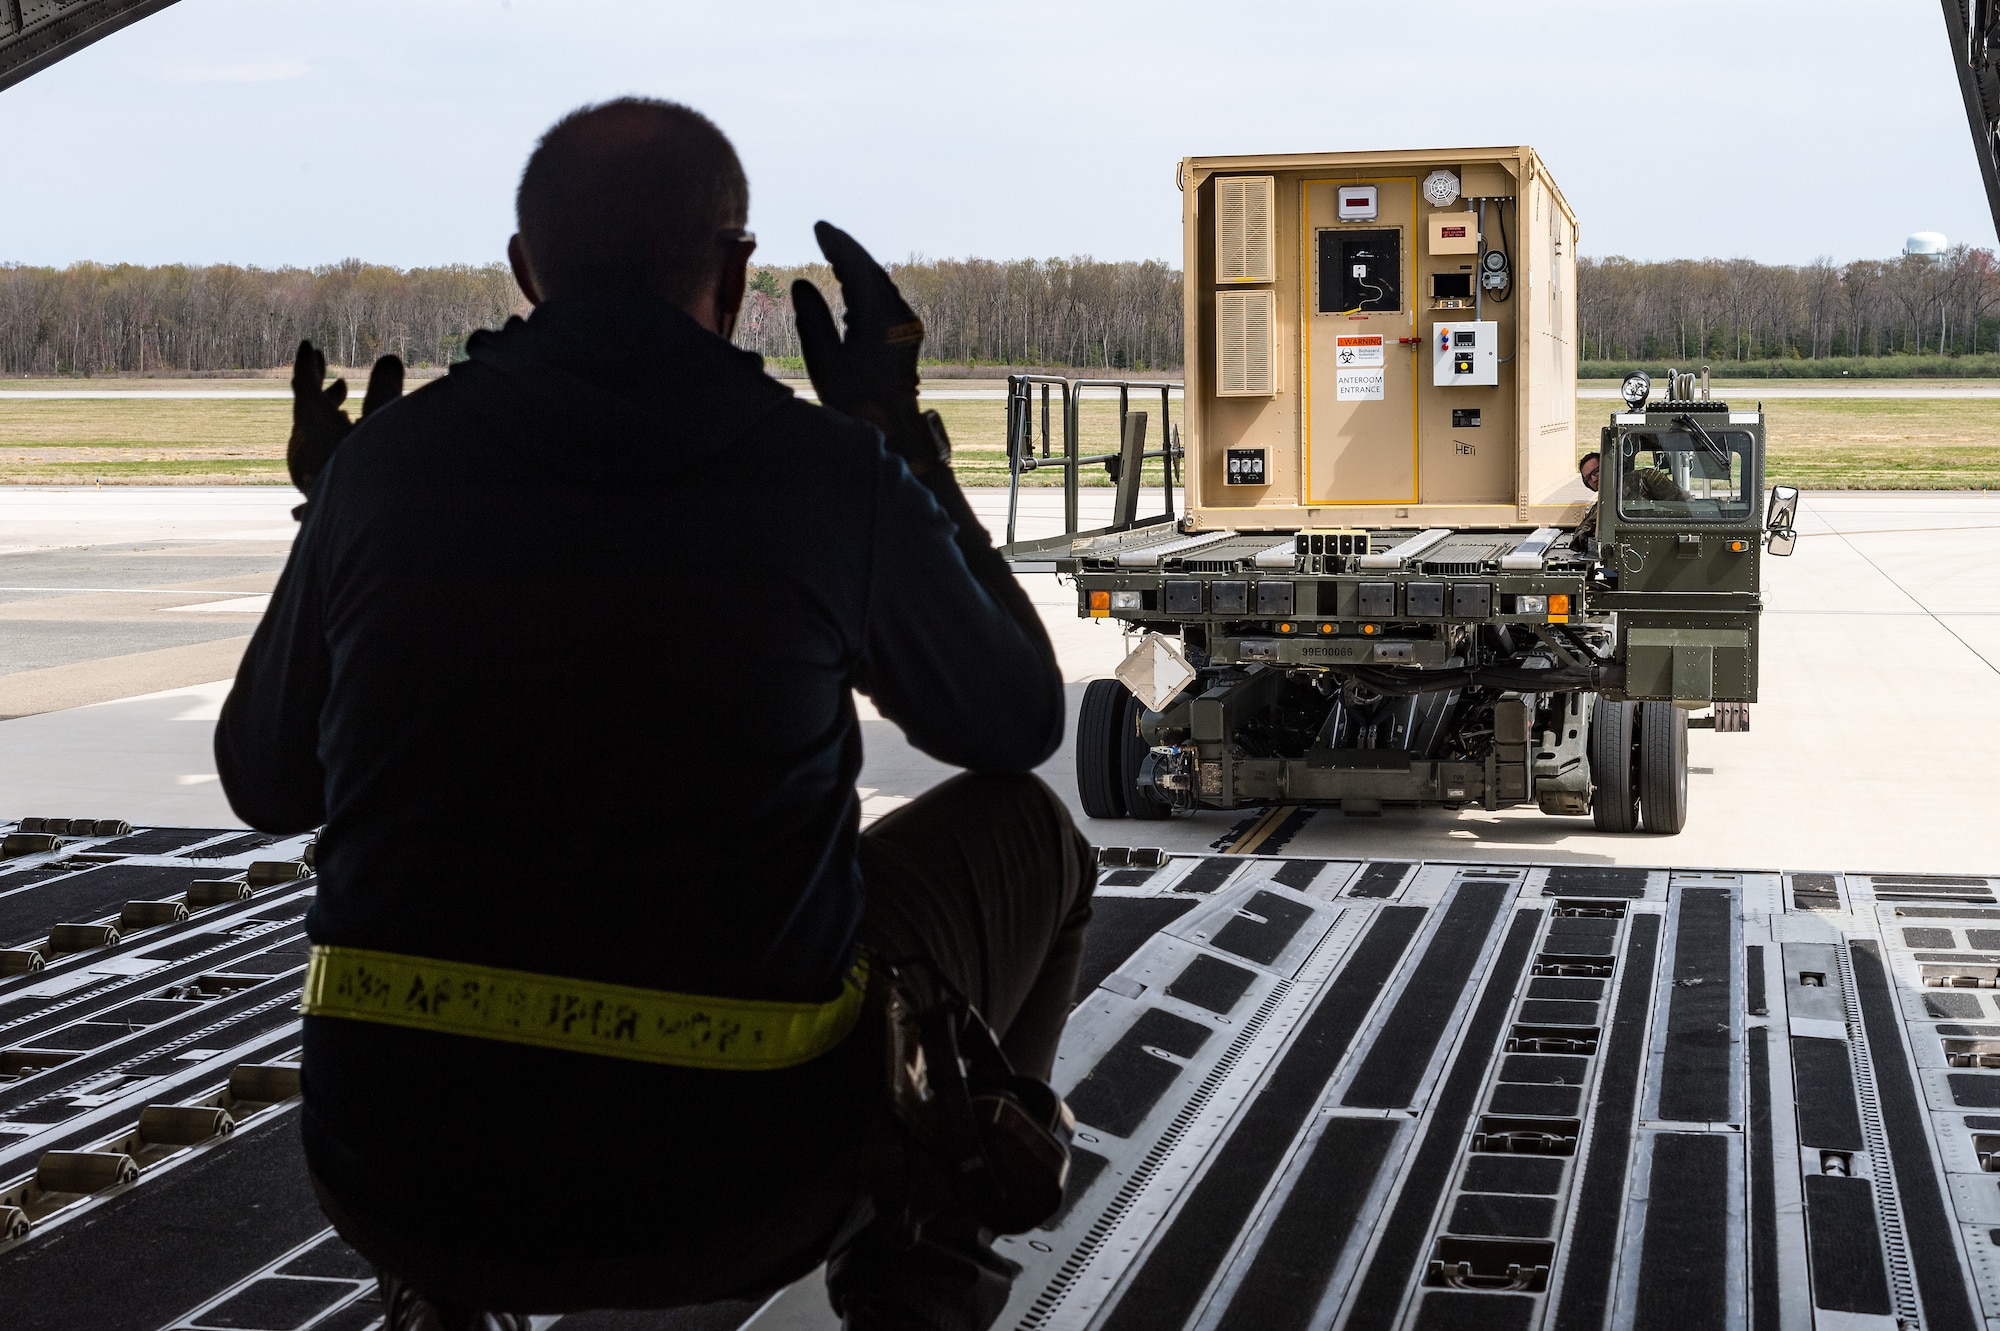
{"x": 275, "y": 132}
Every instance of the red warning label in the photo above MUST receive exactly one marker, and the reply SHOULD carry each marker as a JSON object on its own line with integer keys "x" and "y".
{"x": 1355, "y": 349}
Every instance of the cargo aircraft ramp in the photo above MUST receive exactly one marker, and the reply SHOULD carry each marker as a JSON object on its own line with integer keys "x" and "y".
{"x": 1310, "y": 1093}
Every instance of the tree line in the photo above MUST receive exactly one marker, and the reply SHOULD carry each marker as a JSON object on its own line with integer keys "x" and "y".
{"x": 180, "y": 318}
{"x": 1721, "y": 310}
{"x": 1077, "y": 313}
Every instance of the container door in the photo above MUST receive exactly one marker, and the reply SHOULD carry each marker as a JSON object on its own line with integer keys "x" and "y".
{"x": 1360, "y": 373}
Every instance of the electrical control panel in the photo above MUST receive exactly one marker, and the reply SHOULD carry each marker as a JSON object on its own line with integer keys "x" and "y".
{"x": 1245, "y": 467}
{"x": 1466, "y": 355}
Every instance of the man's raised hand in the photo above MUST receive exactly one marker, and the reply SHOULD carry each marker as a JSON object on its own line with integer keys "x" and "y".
{"x": 318, "y": 423}
{"x": 872, "y": 372}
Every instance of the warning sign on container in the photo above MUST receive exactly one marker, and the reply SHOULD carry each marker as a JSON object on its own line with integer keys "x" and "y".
{"x": 1358, "y": 385}
{"x": 1357, "y": 350}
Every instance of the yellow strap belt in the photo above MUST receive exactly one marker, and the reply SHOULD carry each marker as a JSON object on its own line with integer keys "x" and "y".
{"x": 580, "y": 1016}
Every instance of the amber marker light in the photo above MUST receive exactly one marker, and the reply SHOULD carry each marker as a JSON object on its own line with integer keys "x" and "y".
{"x": 1284, "y": 628}
{"x": 1559, "y": 604}
{"x": 1370, "y": 630}
{"x": 1738, "y": 547}
{"x": 1326, "y": 628}
{"x": 1100, "y": 605}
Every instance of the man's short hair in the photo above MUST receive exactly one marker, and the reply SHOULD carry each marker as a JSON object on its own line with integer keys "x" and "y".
{"x": 631, "y": 195}
{"x": 1585, "y": 458}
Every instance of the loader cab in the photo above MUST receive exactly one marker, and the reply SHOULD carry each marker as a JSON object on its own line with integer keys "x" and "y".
{"x": 1681, "y": 525}
{"x": 1681, "y": 501}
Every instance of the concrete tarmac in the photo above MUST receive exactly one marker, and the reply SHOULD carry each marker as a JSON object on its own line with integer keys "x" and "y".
{"x": 1874, "y": 748}
{"x": 109, "y": 593}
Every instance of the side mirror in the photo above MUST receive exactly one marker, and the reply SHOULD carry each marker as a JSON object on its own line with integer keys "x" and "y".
{"x": 1778, "y": 520}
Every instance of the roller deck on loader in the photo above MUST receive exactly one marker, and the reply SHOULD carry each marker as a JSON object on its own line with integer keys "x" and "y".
{"x": 1390, "y": 587}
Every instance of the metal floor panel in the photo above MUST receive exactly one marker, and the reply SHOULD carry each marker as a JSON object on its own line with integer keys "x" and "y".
{"x": 1310, "y": 1093}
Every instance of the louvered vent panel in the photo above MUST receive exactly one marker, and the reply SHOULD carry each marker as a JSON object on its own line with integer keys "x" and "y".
{"x": 1244, "y": 333}
{"x": 1243, "y": 241}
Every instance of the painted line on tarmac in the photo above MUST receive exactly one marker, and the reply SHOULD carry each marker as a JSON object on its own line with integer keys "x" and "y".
{"x": 1260, "y": 831}
{"x": 1977, "y": 655}
{"x": 1281, "y": 836}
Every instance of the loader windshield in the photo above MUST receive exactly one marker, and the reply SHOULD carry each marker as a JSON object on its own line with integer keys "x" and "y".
{"x": 1680, "y": 476}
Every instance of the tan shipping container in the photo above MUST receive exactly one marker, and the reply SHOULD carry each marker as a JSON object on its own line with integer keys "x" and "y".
{"x": 1318, "y": 287}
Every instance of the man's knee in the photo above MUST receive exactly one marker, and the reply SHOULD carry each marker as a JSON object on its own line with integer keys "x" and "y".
{"x": 1019, "y": 797}
{"x": 1025, "y": 811}
{"x": 999, "y": 790}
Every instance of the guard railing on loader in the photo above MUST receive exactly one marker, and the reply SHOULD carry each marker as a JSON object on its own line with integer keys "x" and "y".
{"x": 1127, "y": 465}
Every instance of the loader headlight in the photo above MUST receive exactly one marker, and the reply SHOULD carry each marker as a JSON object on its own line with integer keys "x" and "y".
{"x": 1128, "y": 600}
{"x": 1636, "y": 389}
{"x": 1531, "y": 605}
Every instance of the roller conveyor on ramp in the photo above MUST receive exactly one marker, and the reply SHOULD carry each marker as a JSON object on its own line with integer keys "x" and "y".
{"x": 1310, "y": 1093}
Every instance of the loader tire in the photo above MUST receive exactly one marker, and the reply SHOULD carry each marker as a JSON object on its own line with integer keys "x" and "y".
{"x": 1614, "y": 795}
{"x": 1663, "y": 767}
{"x": 1100, "y": 749}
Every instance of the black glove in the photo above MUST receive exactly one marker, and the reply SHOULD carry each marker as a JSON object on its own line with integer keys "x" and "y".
{"x": 872, "y": 373}
{"x": 318, "y": 423}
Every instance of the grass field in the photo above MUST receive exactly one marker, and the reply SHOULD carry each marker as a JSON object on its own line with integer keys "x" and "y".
{"x": 1883, "y": 443}
{"x": 144, "y": 442}
{"x": 242, "y": 442}
{"x": 1825, "y": 444}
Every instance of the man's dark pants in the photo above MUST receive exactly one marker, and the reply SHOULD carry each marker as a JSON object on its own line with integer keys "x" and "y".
{"x": 988, "y": 878}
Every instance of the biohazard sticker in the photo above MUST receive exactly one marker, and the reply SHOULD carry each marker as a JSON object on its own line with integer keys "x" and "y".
{"x": 1357, "y": 349}
{"x": 1358, "y": 385}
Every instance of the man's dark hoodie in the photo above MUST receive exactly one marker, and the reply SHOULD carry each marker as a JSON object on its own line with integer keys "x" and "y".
{"x": 563, "y": 661}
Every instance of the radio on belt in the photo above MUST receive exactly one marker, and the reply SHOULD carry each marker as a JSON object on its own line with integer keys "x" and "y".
{"x": 1466, "y": 355}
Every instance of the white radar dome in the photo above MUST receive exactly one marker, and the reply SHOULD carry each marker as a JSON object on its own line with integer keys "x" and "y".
{"x": 1929, "y": 244}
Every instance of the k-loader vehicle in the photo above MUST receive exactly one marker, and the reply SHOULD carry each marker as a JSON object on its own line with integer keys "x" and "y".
{"x": 1391, "y": 585}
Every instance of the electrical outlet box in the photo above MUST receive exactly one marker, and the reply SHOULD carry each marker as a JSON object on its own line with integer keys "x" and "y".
{"x": 1466, "y": 355}
{"x": 1454, "y": 233}
{"x": 1245, "y": 466}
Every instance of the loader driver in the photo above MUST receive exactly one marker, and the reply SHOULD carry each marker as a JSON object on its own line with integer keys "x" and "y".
{"x": 1639, "y": 483}
{"x": 564, "y": 662}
